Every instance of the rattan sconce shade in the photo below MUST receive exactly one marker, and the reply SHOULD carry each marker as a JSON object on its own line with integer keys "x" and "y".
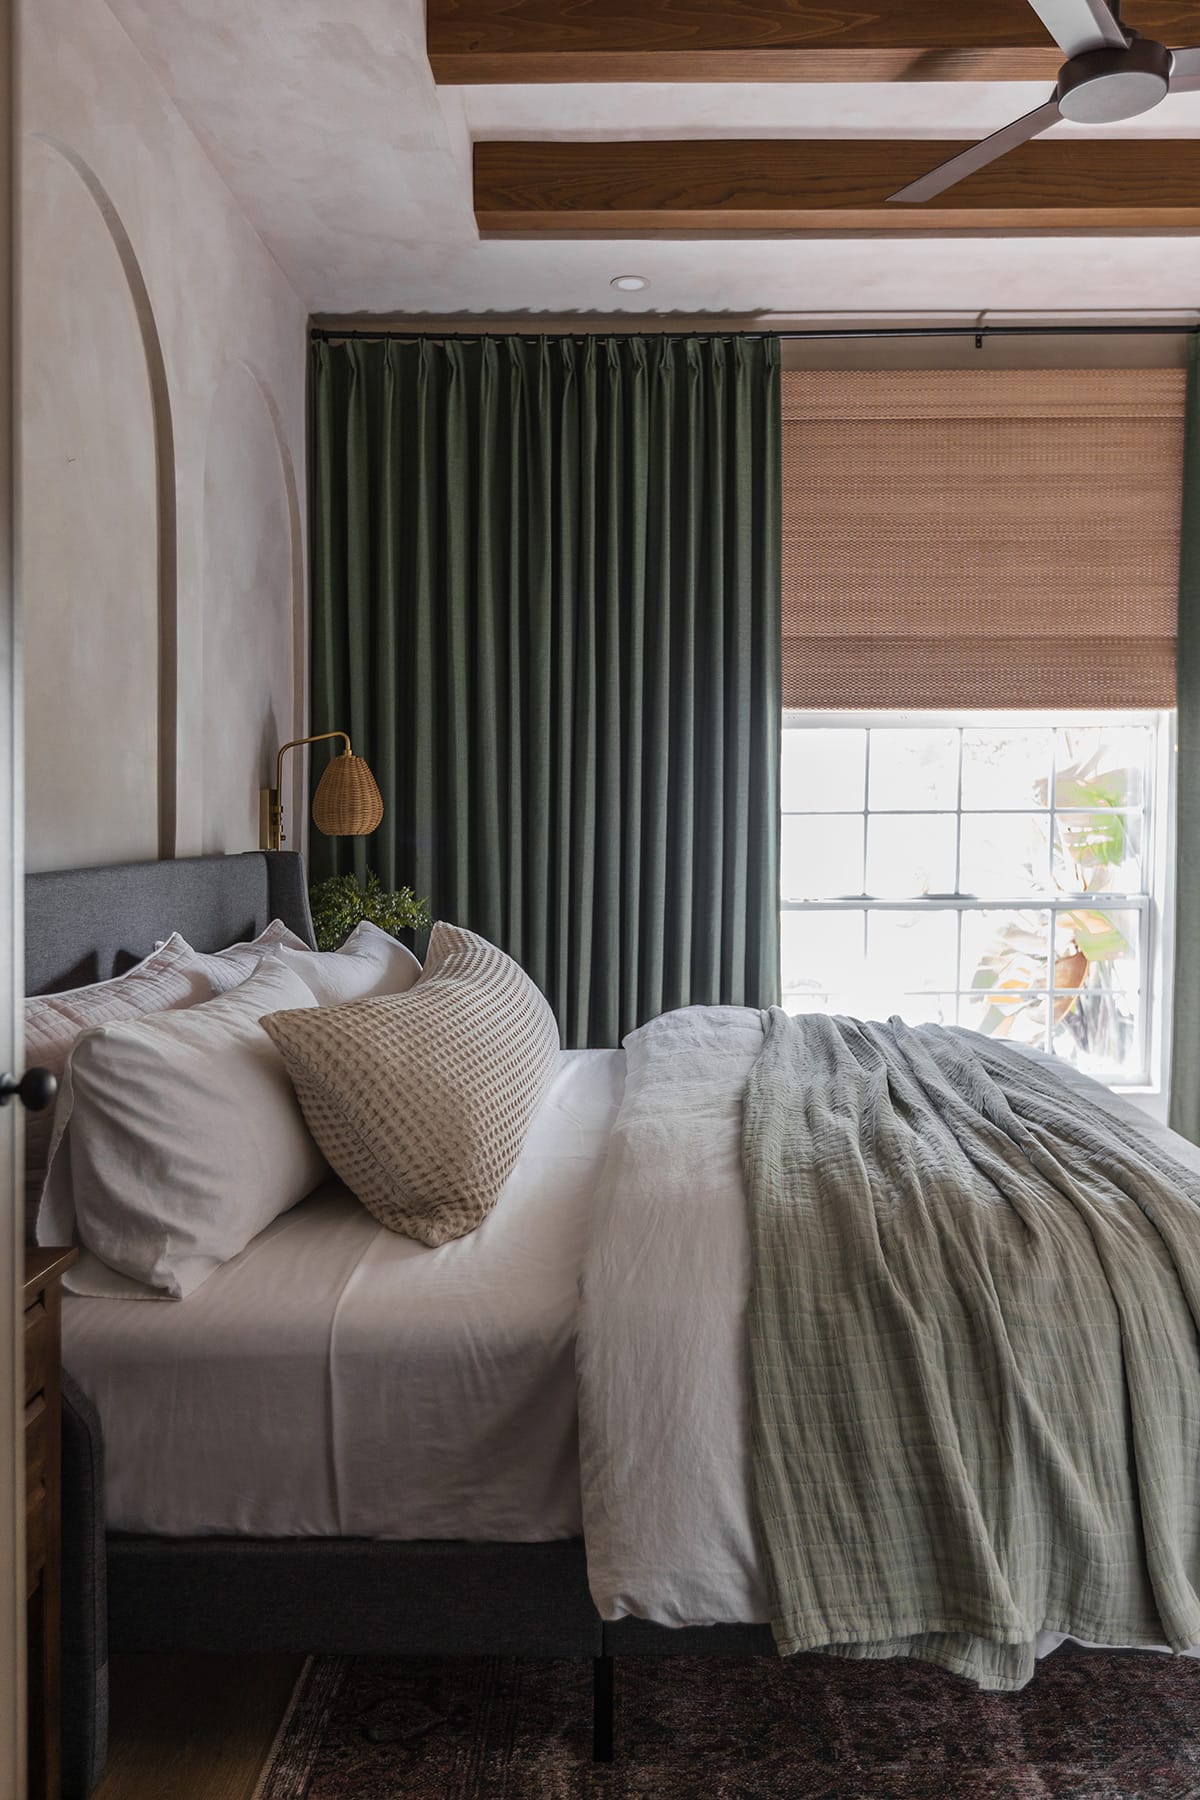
{"x": 347, "y": 802}
{"x": 981, "y": 538}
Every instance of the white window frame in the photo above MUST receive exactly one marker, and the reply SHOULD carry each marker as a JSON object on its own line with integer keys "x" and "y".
{"x": 1155, "y": 905}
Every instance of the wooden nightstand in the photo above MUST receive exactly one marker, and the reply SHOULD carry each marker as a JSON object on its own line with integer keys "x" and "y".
{"x": 43, "y": 1509}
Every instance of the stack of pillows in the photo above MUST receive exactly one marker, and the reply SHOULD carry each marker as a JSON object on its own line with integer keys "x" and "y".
{"x": 202, "y": 1096}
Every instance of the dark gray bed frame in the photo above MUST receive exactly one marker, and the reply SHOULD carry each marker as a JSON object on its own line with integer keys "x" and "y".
{"x": 291, "y": 1595}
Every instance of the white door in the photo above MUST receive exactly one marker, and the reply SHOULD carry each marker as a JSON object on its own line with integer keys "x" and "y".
{"x": 12, "y": 1434}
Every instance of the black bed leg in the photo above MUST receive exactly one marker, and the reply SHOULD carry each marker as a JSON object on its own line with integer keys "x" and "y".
{"x": 602, "y": 1709}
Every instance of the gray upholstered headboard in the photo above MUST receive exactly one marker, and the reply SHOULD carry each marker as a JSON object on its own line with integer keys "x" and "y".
{"x": 83, "y": 925}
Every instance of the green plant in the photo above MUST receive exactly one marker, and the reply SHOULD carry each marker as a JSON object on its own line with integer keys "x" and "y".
{"x": 339, "y": 904}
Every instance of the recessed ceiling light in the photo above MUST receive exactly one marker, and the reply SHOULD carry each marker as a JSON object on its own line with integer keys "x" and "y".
{"x": 629, "y": 284}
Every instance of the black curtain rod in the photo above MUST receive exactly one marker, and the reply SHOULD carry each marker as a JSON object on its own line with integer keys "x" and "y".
{"x": 986, "y": 331}
{"x": 326, "y": 333}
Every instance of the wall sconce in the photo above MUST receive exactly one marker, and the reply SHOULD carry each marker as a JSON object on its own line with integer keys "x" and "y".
{"x": 346, "y": 803}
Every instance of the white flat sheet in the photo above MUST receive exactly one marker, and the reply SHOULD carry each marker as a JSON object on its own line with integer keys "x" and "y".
{"x": 664, "y": 1421}
{"x": 338, "y": 1379}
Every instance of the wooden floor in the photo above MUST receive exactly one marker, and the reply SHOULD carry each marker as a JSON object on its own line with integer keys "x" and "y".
{"x": 193, "y": 1727}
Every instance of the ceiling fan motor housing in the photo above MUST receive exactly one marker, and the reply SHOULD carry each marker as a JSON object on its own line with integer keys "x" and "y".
{"x": 1100, "y": 87}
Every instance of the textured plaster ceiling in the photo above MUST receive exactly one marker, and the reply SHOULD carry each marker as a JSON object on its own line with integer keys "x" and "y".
{"x": 355, "y": 169}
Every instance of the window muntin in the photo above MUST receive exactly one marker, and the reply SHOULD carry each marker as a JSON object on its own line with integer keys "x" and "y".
{"x": 987, "y": 871}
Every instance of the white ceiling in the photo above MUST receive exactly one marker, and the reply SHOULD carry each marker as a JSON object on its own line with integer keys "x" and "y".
{"x": 355, "y": 169}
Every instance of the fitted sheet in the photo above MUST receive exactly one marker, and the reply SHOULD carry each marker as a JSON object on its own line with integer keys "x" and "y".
{"x": 337, "y": 1379}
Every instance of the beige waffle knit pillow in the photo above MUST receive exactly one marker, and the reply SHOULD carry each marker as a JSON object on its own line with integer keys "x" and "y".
{"x": 421, "y": 1101}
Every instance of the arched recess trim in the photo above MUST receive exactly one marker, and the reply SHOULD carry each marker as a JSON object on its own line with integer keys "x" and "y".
{"x": 296, "y": 537}
{"x": 164, "y": 460}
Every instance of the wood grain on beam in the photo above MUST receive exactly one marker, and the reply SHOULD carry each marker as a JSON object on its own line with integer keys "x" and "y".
{"x": 726, "y": 188}
{"x": 759, "y": 40}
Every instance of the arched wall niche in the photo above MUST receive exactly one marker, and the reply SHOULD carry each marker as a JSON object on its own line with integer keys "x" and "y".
{"x": 97, "y": 529}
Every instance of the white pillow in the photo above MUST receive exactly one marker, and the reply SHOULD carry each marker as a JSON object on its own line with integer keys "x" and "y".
{"x": 369, "y": 963}
{"x": 172, "y": 976}
{"x": 177, "y": 1139}
{"x": 226, "y": 969}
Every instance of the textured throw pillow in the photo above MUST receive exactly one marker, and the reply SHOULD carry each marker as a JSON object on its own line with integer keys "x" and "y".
{"x": 421, "y": 1101}
{"x": 370, "y": 962}
{"x": 172, "y": 977}
{"x": 177, "y": 1139}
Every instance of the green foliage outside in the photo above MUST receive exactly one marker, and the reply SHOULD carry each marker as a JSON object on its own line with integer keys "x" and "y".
{"x": 339, "y": 904}
{"x": 1092, "y": 843}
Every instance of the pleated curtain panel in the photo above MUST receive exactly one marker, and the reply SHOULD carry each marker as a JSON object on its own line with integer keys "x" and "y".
{"x": 546, "y": 606}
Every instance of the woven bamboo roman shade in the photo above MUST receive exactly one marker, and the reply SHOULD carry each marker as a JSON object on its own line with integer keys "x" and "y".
{"x": 992, "y": 538}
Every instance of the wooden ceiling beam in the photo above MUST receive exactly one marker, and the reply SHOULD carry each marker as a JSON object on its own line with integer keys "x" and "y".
{"x": 777, "y": 187}
{"x": 760, "y": 40}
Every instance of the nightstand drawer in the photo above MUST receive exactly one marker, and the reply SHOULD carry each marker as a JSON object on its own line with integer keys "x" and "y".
{"x": 38, "y": 1348}
{"x": 37, "y": 1422}
{"x": 35, "y": 1542}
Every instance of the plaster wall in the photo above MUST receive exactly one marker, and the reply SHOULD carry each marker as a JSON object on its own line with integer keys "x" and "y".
{"x": 161, "y": 464}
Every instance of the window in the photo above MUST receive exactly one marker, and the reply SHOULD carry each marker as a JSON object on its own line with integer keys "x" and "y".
{"x": 1002, "y": 872}
{"x": 965, "y": 539}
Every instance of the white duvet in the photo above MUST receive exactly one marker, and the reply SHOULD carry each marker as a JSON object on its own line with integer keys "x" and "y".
{"x": 661, "y": 1358}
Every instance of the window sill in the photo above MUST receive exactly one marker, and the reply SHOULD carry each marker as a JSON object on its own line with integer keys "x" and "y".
{"x": 1151, "y": 1100}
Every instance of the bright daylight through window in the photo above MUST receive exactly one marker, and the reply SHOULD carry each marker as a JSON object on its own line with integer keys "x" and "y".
{"x": 1002, "y": 874}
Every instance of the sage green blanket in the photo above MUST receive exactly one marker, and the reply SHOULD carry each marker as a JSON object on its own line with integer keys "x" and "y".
{"x": 973, "y": 1348}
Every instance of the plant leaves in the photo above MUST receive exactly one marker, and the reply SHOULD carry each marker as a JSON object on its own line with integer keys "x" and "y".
{"x": 339, "y": 904}
{"x": 1074, "y": 788}
{"x": 1095, "y": 839}
{"x": 1099, "y": 939}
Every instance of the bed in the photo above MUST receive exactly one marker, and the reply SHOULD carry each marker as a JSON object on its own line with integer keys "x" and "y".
{"x": 281, "y": 1480}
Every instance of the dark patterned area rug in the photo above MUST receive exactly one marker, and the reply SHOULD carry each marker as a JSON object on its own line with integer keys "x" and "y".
{"x": 1090, "y": 1726}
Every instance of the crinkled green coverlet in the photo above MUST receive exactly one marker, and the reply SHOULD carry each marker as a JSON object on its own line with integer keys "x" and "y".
{"x": 974, "y": 1361}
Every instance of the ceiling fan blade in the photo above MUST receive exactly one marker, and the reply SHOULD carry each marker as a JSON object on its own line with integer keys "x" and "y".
{"x": 979, "y": 155}
{"x": 1079, "y": 25}
{"x": 1185, "y": 71}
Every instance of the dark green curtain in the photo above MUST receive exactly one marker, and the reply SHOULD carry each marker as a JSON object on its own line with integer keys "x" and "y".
{"x": 546, "y": 606}
{"x": 1185, "y": 1048}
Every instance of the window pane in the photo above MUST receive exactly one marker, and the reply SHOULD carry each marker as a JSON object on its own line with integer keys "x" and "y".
{"x": 1007, "y": 768}
{"x": 1098, "y": 1032}
{"x": 909, "y": 854}
{"x": 1005, "y": 952}
{"x": 847, "y": 1005}
{"x": 822, "y": 951}
{"x": 914, "y": 1009}
{"x": 1096, "y": 852}
{"x": 1020, "y": 1018}
{"x": 1005, "y": 855}
{"x": 1101, "y": 765}
{"x": 1053, "y": 821}
{"x": 821, "y": 856}
{"x": 1097, "y": 950}
{"x": 824, "y": 770}
{"x": 913, "y": 769}
{"x": 910, "y": 952}
{"x": 925, "y": 1009}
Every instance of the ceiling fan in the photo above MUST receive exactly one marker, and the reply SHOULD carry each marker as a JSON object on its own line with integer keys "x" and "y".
{"x": 1111, "y": 73}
